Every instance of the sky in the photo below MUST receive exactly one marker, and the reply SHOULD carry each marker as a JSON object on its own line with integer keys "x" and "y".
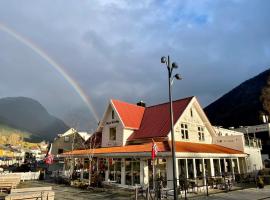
{"x": 112, "y": 49}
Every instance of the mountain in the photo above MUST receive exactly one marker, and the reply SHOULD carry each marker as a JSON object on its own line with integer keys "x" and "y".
{"x": 243, "y": 105}
{"x": 29, "y": 115}
{"x": 9, "y": 135}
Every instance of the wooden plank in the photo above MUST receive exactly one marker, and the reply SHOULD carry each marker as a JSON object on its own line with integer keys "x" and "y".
{"x": 48, "y": 195}
{"x": 10, "y": 179}
{"x": 33, "y": 189}
{"x": 14, "y": 185}
{"x": 10, "y": 175}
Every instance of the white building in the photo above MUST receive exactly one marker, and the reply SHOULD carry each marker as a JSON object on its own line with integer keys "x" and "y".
{"x": 237, "y": 140}
{"x": 127, "y": 134}
{"x": 262, "y": 132}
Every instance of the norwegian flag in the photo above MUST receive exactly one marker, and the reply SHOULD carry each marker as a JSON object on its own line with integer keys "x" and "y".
{"x": 49, "y": 157}
{"x": 154, "y": 150}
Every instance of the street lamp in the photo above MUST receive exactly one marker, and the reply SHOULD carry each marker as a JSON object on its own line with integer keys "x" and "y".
{"x": 171, "y": 77}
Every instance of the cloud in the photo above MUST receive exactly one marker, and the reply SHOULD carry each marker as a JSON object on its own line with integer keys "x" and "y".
{"x": 113, "y": 49}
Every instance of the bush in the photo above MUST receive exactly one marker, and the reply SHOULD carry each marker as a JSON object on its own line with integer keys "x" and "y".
{"x": 260, "y": 183}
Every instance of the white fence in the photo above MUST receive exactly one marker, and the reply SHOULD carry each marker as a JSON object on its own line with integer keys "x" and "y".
{"x": 25, "y": 176}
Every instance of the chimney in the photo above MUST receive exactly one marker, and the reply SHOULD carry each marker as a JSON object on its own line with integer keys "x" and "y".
{"x": 141, "y": 103}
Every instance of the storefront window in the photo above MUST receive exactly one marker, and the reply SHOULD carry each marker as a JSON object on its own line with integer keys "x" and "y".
{"x": 161, "y": 171}
{"x": 115, "y": 169}
{"x": 136, "y": 172}
{"x": 132, "y": 171}
{"x": 102, "y": 165}
{"x": 128, "y": 171}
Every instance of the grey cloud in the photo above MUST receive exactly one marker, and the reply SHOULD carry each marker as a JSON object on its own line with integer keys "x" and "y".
{"x": 112, "y": 49}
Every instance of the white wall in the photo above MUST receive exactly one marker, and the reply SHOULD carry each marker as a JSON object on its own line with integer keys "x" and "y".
{"x": 254, "y": 159}
{"x": 236, "y": 140}
{"x": 232, "y": 141}
{"x": 121, "y": 133}
{"x": 193, "y": 122}
{"x": 126, "y": 134}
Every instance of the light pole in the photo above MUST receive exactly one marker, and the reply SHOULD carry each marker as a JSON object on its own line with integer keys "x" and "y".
{"x": 171, "y": 78}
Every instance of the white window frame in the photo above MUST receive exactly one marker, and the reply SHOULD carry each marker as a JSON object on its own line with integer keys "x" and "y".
{"x": 184, "y": 131}
{"x": 201, "y": 134}
{"x": 110, "y": 136}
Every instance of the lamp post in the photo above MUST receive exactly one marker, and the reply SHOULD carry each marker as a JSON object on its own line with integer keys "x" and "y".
{"x": 171, "y": 78}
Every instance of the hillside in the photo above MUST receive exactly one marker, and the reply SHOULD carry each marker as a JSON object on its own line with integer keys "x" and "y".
{"x": 243, "y": 105}
{"x": 28, "y": 115}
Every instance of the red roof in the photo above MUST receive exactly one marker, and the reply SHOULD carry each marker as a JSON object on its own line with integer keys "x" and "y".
{"x": 183, "y": 147}
{"x": 130, "y": 114}
{"x": 156, "y": 119}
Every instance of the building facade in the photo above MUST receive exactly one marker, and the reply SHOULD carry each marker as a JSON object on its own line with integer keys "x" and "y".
{"x": 68, "y": 141}
{"x": 262, "y": 132}
{"x": 128, "y": 131}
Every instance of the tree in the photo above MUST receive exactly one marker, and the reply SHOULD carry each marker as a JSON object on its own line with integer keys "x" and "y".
{"x": 265, "y": 97}
{"x": 90, "y": 145}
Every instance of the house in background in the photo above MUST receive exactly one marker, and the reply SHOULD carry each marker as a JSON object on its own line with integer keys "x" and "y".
{"x": 127, "y": 131}
{"x": 68, "y": 141}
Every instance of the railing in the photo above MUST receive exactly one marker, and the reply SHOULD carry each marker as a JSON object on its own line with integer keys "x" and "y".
{"x": 253, "y": 142}
{"x": 199, "y": 186}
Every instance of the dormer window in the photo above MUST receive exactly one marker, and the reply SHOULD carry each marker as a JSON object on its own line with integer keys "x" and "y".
{"x": 113, "y": 133}
{"x": 184, "y": 131}
{"x": 112, "y": 114}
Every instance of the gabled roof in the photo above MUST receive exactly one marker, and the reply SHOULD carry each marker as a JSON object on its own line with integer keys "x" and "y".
{"x": 180, "y": 147}
{"x": 130, "y": 114}
{"x": 68, "y": 132}
{"x": 156, "y": 119}
{"x": 85, "y": 136}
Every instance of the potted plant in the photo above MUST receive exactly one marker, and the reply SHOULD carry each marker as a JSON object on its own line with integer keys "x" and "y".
{"x": 260, "y": 183}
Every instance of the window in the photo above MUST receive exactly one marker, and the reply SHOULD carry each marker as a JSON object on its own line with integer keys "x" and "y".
{"x": 112, "y": 114}
{"x": 60, "y": 151}
{"x": 201, "y": 133}
{"x": 113, "y": 133}
{"x": 66, "y": 138}
{"x": 191, "y": 112}
{"x": 184, "y": 131}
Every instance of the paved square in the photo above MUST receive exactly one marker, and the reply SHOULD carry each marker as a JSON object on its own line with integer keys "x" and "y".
{"x": 63, "y": 192}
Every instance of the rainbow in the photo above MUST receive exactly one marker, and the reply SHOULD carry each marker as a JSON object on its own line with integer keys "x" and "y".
{"x": 55, "y": 65}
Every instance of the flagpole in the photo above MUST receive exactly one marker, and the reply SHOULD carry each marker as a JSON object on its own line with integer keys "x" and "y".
{"x": 154, "y": 174}
{"x": 154, "y": 152}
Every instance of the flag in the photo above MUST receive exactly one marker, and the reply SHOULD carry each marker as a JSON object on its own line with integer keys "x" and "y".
{"x": 154, "y": 150}
{"x": 49, "y": 157}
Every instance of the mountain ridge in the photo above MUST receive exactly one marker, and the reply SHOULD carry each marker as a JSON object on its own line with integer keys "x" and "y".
{"x": 243, "y": 105}
{"x": 29, "y": 115}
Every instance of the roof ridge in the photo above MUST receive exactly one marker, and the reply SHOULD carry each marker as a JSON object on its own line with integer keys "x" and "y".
{"x": 125, "y": 102}
{"x": 190, "y": 97}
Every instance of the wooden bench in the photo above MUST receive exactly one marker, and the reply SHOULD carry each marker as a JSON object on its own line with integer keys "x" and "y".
{"x": 38, "y": 195}
{"x": 7, "y": 186}
{"x": 35, "y": 193}
{"x": 9, "y": 182}
{"x": 33, "y": 189}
